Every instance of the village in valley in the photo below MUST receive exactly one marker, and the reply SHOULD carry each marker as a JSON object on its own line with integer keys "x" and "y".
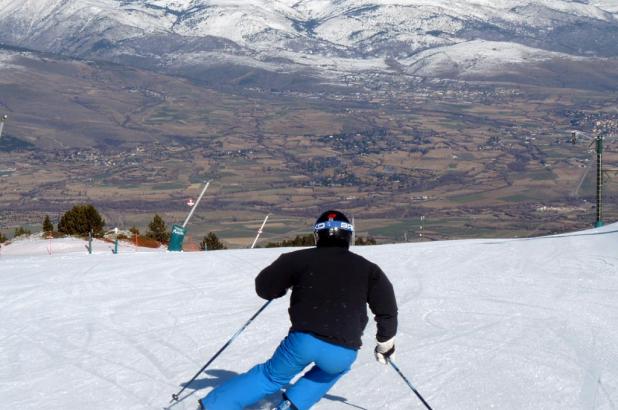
{"x": 473, "y": 158}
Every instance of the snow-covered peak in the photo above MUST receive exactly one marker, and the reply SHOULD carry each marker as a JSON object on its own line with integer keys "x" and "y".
{"x": 607, "y": 5}
{"x": 292, "y": 30}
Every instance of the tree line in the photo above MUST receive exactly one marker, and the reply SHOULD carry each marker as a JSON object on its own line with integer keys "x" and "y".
{"x": 309, "y": 240}
{"x": 85, "y": 219}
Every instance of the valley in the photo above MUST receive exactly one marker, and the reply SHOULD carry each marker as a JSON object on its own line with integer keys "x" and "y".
{"x": 460, "y": 159}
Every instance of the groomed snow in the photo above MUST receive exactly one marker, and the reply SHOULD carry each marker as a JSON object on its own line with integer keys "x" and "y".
{"x": 503, "y": 324}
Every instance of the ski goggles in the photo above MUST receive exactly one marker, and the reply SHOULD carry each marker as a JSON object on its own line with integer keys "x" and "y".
{"x": 333, "y": 225}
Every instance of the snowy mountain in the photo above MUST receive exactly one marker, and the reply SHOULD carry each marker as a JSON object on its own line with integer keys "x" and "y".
{"x": 317, "y": 35}
{"x": 504, "y": 324}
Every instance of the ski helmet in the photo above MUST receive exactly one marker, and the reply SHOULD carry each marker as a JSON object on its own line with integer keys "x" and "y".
{"x": 333, "y": 228}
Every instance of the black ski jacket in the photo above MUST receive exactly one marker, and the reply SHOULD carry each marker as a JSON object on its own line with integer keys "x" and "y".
{"x": 331, "y": 288}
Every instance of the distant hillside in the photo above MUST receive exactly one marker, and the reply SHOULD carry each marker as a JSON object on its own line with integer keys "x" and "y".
{"x": 328, "y": 39}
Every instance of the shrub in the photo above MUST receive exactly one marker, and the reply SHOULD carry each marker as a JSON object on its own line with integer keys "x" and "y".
{"x": 211, "y": 243}
{"x": 3, "y": 238}
{"x": 299, "y": 240}
{"x": 80, "y": 220}
{"x": 21, "y": 231}
{"x": 360, "y": 241}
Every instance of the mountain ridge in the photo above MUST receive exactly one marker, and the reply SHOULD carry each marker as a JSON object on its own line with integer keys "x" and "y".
{"x": 313, "y": 35}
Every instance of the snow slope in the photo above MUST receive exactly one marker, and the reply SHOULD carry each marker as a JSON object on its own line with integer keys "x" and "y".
{"x": 477, "y": 57}
{"x": 504, "y": 324}
{"x": 34, "y": 245}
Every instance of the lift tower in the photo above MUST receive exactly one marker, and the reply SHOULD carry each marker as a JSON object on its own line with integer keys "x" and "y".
{"x": 2, "y": 120}
{"x": 602, "y": 129}
{"x": 599, "y": 149}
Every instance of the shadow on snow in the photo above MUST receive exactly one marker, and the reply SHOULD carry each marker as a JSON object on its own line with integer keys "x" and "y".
{"x": 218, "y": 377}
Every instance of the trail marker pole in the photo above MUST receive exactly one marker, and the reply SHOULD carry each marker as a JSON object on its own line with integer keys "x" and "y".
{"x": 2, "y": 121}
{"x": 259, "y": 232}
{"x": 178, "y": 231}
{"x": 115, "y": 250}
{"x": 184, "y": 225}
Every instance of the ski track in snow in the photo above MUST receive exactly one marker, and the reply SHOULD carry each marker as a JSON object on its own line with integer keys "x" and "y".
{"x": 505, "y": 324}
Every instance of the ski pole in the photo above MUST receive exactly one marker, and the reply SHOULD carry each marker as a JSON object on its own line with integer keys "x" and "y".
{"x": 409, "y": 384}
{"x": 229, "y": 342}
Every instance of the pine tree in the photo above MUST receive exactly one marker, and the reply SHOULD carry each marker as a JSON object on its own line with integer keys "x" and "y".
{"x": 158, "y": 230}
{"x": 48, "y": 226}
{"x": 211, "y": 242}
{"x": 80, "y": 220}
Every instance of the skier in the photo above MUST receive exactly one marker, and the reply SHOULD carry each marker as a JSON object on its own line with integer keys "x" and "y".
{"x": 331, "y": 288}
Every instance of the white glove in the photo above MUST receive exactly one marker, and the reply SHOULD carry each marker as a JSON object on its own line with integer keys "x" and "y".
{"x": 385, "y": 350}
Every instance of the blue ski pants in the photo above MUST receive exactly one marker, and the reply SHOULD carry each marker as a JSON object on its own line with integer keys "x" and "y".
{"x": 295, "y": 352}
